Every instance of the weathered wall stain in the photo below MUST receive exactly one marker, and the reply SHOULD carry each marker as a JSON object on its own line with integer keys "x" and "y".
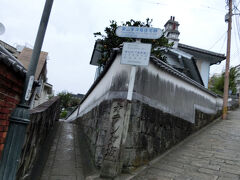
{"x": 151, "y": 132}
{"x": 163, "y": 112}
{"x": 169, "y": 97}
{"x": 114, "y": 87}
{"x": 120, "y": 82}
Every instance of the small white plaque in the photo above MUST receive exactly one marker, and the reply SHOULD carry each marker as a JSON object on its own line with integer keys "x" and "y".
{"x": 29, "y": 88}
{"x": 136, "y": 54}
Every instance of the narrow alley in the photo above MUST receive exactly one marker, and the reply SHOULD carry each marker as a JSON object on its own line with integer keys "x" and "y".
{"x": 64, "y": 161}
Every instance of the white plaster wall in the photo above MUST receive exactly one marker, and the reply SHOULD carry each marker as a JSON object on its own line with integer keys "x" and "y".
{"x": 172, "y": 61}
{"x": 179, "y": 82}
{"x": 219, "y": 103}
{"x": 100, "y": 92}
{"x": 199, "y": 63}
{"x": 208, "y": 103}
{"x": 204, "y": 71}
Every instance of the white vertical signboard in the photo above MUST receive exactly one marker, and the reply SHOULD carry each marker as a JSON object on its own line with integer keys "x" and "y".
{"x": 29, "y": 88}
{"x": 137, "y": 54}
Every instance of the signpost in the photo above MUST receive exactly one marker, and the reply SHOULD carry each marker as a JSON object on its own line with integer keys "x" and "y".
{"x": 139, "y": 32}
{"x": 136, "y": 53}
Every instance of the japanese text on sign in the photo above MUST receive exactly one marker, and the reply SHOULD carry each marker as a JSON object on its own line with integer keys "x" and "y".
{"x": 139, "y": 32}
{"x": 136, "y": 54}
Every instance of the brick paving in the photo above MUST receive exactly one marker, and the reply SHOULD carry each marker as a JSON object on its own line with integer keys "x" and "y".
{"x": 211, "y": 154}
{"x": 64, "y": 160}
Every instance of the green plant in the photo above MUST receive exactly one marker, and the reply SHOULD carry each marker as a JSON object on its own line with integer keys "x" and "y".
{"x": 67, "y": 99}
{"x": 63, "y": 114}
{"x": 50, "y": 97}
{"x": 110, "y": 40}
{"x": 216, "y": 83}
{"x": 233, "y": 75}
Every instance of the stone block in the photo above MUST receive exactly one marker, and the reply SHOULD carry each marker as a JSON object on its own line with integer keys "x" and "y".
{"x": 129, "y": 157}
{"x": 110, "y": 169}
{"x": 136, "y": 109}
{"x": 132, "y": 140}
{"x": 99, "y": 156}
{"x": 142, "y": 125}
{"x": 100, "y": 140}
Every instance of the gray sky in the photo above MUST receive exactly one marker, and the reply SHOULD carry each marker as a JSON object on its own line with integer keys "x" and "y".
{"x": 69, "y": 38}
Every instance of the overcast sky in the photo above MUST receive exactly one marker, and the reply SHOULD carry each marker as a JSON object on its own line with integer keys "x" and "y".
{"x": 69, "y": 37}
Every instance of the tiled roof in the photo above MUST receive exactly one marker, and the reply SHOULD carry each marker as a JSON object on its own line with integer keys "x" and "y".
{"x": 175, "y": 72}
{"x": 181, "y": 53}
{"x": 201, "y": 50}
{"x": 25, "y": 57}
{"x": 9, "y": 48}
{"x": 164, "y": 66}
{"x": 13, "y": 63}
{"x": 202, "y": 54}
{"x": 189, "y": 64}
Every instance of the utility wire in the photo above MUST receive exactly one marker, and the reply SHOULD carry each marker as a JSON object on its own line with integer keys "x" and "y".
{"x": 235, "y": 7}
{"x": 238, "y": 3}
{"x": 236, "y": 52}
{"x": 218, "y": 40}
{"x": 237, "y": 26}
{"x": 237, "y": 36}
{"x": 203, "y": 6}
{"x": 153, "y": 2}
{"x": 209, "y": 7}
{"x": 225, "y": 38}
{"x": 236, "y": 30}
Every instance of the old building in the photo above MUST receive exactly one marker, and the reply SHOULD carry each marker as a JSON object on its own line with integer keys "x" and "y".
{"x": 14, "y": 52}
{"x": 185, "y": 53}
{"x": 12, "y": 76}
{"x": 44, "y": 90}
{"x": 192, "y": 61}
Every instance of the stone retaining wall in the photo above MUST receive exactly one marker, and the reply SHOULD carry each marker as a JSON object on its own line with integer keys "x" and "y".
{"x": 166, "y": 107}
{"x": 152, "y": 132}
{"x": 42, "y": 120}
{"x": 95, "y": 124}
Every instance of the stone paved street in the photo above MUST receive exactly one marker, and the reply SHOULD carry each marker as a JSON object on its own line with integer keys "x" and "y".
{"x": 64, "y": 162}
{"x": 211, "y": 154}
